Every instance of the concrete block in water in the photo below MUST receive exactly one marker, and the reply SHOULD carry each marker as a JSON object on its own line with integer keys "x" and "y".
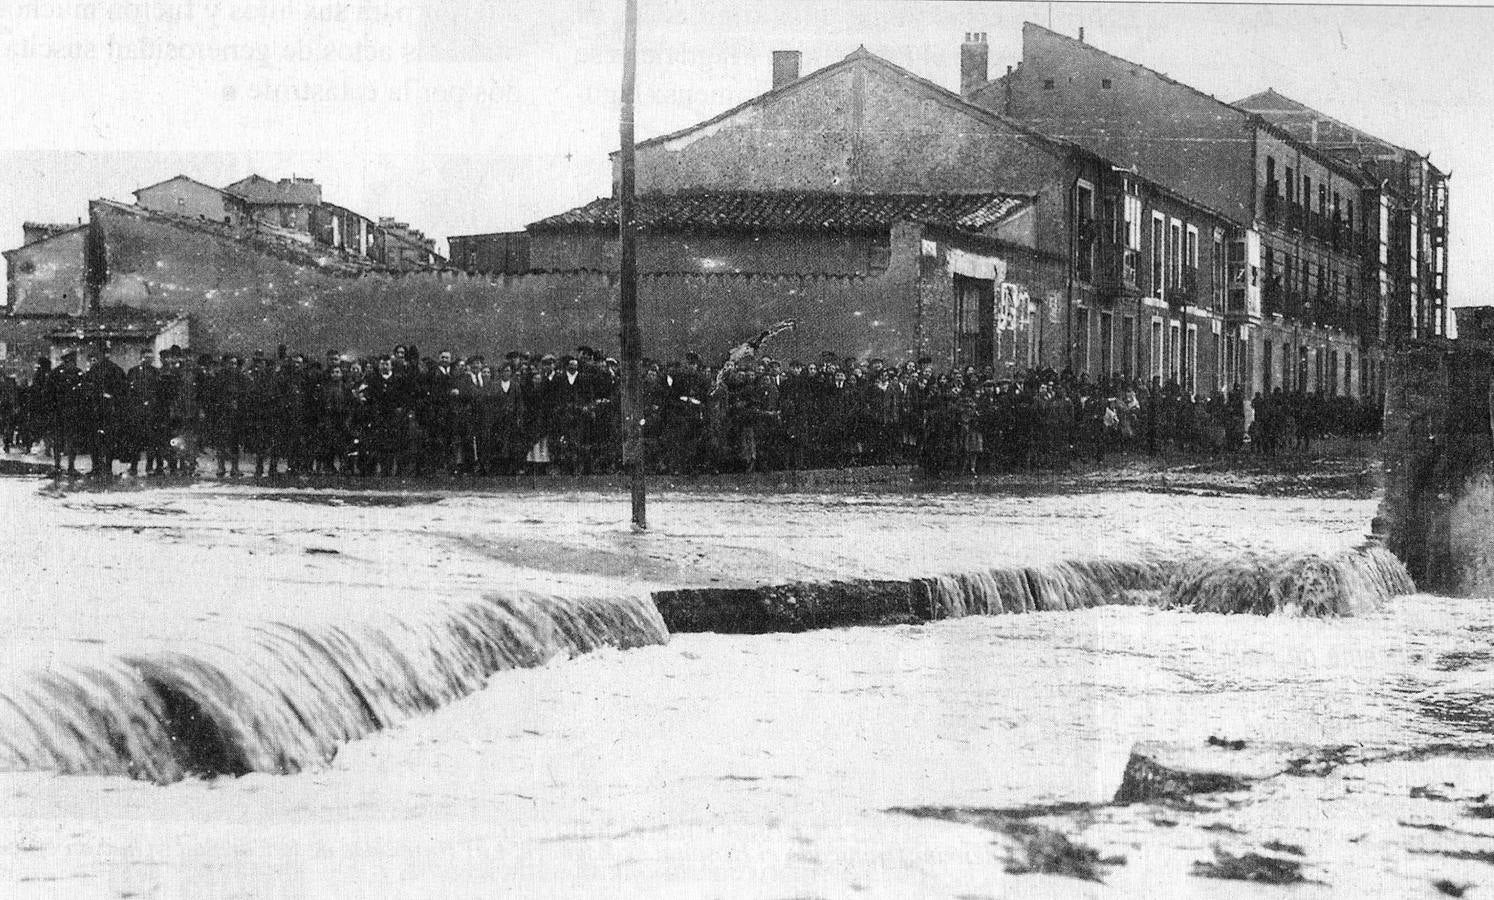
{"x": 1163, "y": 771}
{"x": 797, "y": 606}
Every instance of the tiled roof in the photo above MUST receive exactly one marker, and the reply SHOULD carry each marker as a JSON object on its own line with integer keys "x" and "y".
{"x": 116, "y": 322}
{"x": 258, "y": 189}
{"x": 723, "y": 211}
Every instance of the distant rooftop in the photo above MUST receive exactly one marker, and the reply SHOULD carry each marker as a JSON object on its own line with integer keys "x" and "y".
{"x": 258, "y": 189}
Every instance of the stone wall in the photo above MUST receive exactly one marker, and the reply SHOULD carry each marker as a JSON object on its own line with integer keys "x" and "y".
{"x": 1439, "y": 494}
{"x": 49, "y": 276}
{"x": 242, "y": 297}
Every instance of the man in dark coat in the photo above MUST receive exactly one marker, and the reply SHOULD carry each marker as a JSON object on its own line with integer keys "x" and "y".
{"x": 471, "y": 385}
{"x": 106, "y": 391}
{"x": 506, "y": 410}
{"x": 146, "y": 415}
{"x": 230, "y": 388}
{"x": 684, "y": 414}
{"x": 70, "y": 413}
{"x": 443, "y": 390}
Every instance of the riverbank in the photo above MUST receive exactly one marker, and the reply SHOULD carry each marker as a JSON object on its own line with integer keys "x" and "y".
{"x": 1332, "y": 468}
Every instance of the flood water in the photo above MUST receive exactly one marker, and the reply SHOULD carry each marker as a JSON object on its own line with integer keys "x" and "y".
{"x": 751, "y": 765}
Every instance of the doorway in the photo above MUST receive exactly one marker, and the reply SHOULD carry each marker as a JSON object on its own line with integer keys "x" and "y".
{"x": 975, "y": 321}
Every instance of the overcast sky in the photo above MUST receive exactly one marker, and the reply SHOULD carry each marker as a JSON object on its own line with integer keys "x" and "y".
{"x": 473, "y": 115}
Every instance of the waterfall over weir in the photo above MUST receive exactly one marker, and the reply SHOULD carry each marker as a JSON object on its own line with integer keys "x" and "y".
{"x": 1348, "y": 582}
{"x": 279, "y": 698}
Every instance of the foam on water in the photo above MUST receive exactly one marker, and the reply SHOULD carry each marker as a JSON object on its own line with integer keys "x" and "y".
{"x": 1061, "y": 585}
{"x": 279, "y": 698}
{"x": 1349, "y": 582}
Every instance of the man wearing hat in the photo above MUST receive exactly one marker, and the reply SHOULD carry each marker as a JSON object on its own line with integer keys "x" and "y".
{"x": 70, "y": 426}
{"x": 106, "y": 389}
{"x": 145, "y": 414}
{"x": 684, "y": 414}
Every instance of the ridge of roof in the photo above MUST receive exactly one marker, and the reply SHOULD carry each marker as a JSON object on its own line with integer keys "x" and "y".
{"x": 861, "y": 54}
{"x": 225, "y": 191}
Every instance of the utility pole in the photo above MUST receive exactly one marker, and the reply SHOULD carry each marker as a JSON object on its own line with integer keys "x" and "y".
{"x": 627, "y": 306}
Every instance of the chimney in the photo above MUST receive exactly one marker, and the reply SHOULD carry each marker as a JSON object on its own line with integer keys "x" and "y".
{"x": 785, "y": 67}
{"x": 1081, "y": 34}
{"x": 975, "y": 61}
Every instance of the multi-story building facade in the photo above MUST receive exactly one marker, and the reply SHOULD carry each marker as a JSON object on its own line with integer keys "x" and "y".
{"x": 1314, "y": 263}
{"x": 1402, "y": 225}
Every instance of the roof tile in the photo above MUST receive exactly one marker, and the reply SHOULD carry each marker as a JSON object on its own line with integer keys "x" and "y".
{"x": 726, "y": 211}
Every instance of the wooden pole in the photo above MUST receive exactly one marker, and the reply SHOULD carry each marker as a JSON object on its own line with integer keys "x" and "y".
{"x": 630, "y": 339}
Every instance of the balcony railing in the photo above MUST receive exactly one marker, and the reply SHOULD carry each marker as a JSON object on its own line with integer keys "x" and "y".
{"x": 1184, "y": 291}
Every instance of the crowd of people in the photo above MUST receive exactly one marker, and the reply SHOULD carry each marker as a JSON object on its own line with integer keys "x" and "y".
{"x": 409, "y": 415}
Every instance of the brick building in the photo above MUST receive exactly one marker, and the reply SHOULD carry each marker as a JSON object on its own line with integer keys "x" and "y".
{"x": 399, "y": 246}
{"x": 771, "y": 186}
{"x": 492, "y": 253}
{"x": 1325, "y": 265}
{"x": 290, "y": 203}
{"x": 1408, "y": 230}
{"x": 184, "y": 196}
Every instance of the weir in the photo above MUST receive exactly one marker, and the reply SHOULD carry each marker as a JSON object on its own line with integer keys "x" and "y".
{"x": 1349, "y": 582}
{"x": 280, "y": 698}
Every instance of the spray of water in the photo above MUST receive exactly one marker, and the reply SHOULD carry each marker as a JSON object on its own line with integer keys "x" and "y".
{"x": 1349, "y": 582}
{"x": 1064, "y": 585}
{"x": 279, "y": 698}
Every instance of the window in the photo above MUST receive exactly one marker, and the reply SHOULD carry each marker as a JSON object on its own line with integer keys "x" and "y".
{"x": 1131, "y": 237}
{"x": 1271, "y": 188}
{"x": 1133, "y": 222}
{"x": 1157, "y": 366}
{"x": 1218, "y": 271}
{"x": 1306, "y": 192}
{"x": 1047, "y": 84}
{"x": 1174, "y": 252}
{"x": 1322, "y": 200}
{"x": 1190, "y": 360}
{"x": 1107, "y": 338}
{"x": 1348, "y": 373}
{"x": 1224, "y": 359}
{"x": 1105, "y": 83}
{"x": 1084, "y": 218}
{"x": 1291, "y": 182}
{"x": 1174, "y": 338}
{"x": 1159, "y": 255}
{"x": 1082, "y": 326}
